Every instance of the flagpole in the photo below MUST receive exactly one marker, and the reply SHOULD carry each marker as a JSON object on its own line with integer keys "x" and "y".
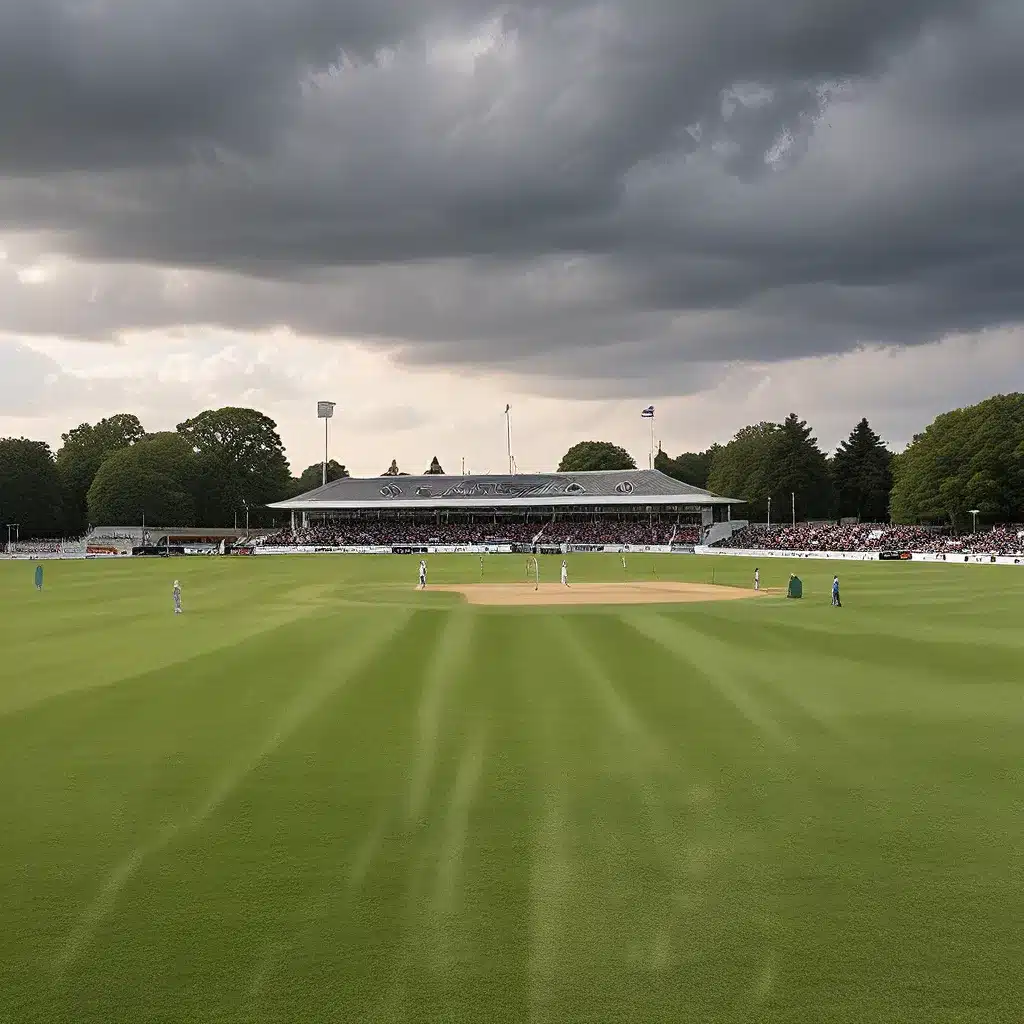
{"x": 652, "y": 443}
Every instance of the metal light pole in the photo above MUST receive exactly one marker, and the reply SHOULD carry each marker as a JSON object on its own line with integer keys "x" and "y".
{"x": 769, "y": 513}
{"x": 793, "y": 496}
{"x": 508, "y": 438}
{"x": 974, "y": 512}
{"x": 324, "y": 411}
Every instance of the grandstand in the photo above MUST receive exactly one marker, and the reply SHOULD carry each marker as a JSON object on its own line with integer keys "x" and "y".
{"x": 33, "y": 548}
{"x": 125, "y": 540}
{"x": 597, "y": 509}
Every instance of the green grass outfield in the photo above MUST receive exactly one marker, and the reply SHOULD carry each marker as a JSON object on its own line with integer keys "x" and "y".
{"x": 320, "y": 795}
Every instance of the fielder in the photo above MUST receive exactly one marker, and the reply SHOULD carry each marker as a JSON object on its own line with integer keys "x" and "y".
{"x": 176, "y": 594}
{"x": 757, "y": 579}
{"x": 423, "y": 574}
{"x": 565, "y": 574}
{"x": 836, "y": 603}
{"x": 39, "y": 577}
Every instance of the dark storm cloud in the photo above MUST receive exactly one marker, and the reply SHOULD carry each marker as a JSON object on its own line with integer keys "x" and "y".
{"x": 605, "y": 186}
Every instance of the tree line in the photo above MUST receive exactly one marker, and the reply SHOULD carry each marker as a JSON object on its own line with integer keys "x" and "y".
{"x": 967, "y": 460}
{"x": 774, "y": 466}
{"x": 223, "y": 463}
{"x": 220, "y": 466}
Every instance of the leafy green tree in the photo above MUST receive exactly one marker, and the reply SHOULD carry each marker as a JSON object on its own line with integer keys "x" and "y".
{"x": 241, "y": 464}
{"x": 30, "y": 490}
{"x": 83, "y": 450}
{"x": 312, "y": 477}
{"x": 862, "y": 476}
{"x": 971, "y": 458}
{"x": 590, "y": 456}
{"x": 798, "y": 470}
{"x": 691, "y": 467}
{"x": 435, "y": 468}
{"x": 155, "y": 480}
{"x": 739, "y": 469}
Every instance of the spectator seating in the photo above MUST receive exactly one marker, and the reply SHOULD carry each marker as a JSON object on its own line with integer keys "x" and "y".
{"x": 1002, "y": 540}
{"x": 385, "y": 533}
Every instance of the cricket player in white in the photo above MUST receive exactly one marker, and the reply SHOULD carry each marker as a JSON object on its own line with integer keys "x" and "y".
{"x": 176, "y": 592}
{"x": 423, "y": 574}
{"x": 565, "y": 574}
{"x": 757, "y": 579}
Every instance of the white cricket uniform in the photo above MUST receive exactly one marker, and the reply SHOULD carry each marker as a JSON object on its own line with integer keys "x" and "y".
{"x": 176, "y": 592}
{"x": 423, "y": 574}
{"x": 565, "y": 575}
{"x": 757, "y": 579}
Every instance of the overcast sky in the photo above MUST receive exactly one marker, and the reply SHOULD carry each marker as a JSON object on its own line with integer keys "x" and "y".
{"x": 424, "y": 209}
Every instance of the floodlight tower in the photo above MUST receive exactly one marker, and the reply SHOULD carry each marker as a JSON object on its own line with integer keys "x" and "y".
{"x": 324, "y": 411}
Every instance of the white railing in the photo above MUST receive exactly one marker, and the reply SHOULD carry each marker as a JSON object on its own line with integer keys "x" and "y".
{"x": 863, "y": 556}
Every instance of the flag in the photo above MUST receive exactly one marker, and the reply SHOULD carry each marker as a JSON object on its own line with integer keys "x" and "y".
{"x": 648, "y": 413}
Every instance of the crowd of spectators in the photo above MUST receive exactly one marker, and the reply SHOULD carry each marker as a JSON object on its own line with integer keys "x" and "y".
{"x": 609, "y": 531}
{"x": 382, "y": 533}
{"x": 373, "y": 533}
{"x": 32, "y": 547}
{"x": 1003, "y": 540}
{"x": 826, "y": 537}
{"x": 634, "y": 532}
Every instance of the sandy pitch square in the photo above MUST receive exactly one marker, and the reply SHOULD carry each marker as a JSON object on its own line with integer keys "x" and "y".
{"x": 525, "y": 594}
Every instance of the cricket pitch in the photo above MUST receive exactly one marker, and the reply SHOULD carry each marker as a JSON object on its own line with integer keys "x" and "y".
{"x": 526, "y": 594}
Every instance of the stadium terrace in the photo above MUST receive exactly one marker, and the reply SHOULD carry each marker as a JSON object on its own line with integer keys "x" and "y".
{"x": 597, "y": 509}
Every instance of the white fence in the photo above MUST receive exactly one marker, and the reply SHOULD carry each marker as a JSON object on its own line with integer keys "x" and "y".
{"x": 865, "y": 556}
{"x": 465, "y": 549}
{"x": 845, "y": 556}
{"x": 59, "y": 555}
{"x": 961, "y": 559}
{"x": 391, "y": 549}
